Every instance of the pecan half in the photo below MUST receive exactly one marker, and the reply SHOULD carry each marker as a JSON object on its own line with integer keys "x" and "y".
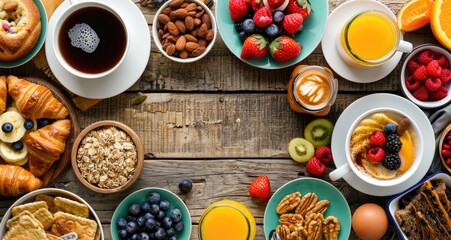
{"x": 331, "y": 228}
{"x": 308, "y": 202}
{"x": 289, "y": 203}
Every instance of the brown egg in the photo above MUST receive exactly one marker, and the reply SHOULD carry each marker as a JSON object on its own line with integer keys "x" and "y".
{"x": 370, "y": 222}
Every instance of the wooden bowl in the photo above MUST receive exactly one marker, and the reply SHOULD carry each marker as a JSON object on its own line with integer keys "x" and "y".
{"x": 139, "y": 150}
{"x": 440, "y": 147}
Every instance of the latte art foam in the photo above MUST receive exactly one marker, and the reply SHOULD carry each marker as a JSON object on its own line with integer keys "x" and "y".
{"x": 84, "y": 37}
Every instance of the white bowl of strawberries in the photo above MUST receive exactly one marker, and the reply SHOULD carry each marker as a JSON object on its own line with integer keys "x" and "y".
{"x": 426, "y": 76}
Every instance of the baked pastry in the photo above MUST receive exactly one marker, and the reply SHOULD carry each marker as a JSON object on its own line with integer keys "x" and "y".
{"x": 3, "y": 94}
{"x": 25, "y": 228}
{"x": 21, "y": 28}
{"x": 15, "y": 180}
{"x": 35, "y": 101}
{"x": 70, "y": 206}
{"x": 46, "y": 144}
{"x": 65, "y": 223}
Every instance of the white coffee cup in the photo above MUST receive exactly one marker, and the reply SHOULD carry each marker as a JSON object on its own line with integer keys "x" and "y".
{"x": 350, "y": 166}
{"x": 86, "y": 50}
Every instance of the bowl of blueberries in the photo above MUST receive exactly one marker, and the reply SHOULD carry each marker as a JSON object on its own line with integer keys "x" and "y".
{"x": 151, "y": 213}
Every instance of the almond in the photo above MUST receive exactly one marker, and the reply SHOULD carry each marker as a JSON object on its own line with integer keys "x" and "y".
{"x": 180, "y": 44}
{"x": 192, "y": 13}
{"x": 202, "y": 42}
{"x": 163, "y": 19}
{"x": 170, "y": 49}
{"x": 191, "y": 7}
{"x": 206, "y": 19}
{"x": 190, "y": 38}
{"x": 172, "y": 39}
{"x": 210, "y": 35}
{"x": 180, "y": 13}
{"x": 194, "y": 32}
{"x": 199, "y": 14}
{"x": 165, "y": 45}
{"x": 184, "y": 5}
{"x": 167, "y": 11}
{"x": 180, "y": 26}
{"x": 197, "y": 22}
{"x": 202, "y": 32}
{"x": 10, "y": 6}
{"x": 176, "y": 3}
{"x": 160, "y": 33}
{"x": 198, "y": 51}
{"x": 191, "y": 46}
{"x": 184, "y": 54}
{"x": 172, "y": 29}
{"x": 189, "y": 23}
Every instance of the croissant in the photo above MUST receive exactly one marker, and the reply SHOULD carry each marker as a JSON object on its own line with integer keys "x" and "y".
{"x": 15, "y": 180}
{"x": 45, "y": 145}
{"x": 3, "y": 94}
{"x": 35, "y": 101}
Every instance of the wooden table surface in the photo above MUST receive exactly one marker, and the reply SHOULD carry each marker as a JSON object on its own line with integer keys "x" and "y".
{"x": 219, "y": 122}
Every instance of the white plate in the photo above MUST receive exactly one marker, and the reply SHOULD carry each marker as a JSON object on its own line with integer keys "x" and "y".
{"x": 126, "y": 74}
{"x": 335, "y": 22}
{"x": 367, "y": 103}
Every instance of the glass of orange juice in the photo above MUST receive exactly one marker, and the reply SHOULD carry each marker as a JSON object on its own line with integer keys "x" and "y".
{"x": 369, "y": 39}
{"x": 227, "y": 220}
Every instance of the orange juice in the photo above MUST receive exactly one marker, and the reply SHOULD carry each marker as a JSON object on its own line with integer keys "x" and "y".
{"x": 227, "y": 220}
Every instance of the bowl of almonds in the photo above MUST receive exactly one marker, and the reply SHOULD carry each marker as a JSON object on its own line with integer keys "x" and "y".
{"x": 107, "y": 157}
{"x": 184, "y": 30}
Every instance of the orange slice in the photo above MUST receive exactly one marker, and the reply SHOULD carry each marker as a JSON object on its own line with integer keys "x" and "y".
{"x": 441, "y": 22}
{"x": 414, "y": 15}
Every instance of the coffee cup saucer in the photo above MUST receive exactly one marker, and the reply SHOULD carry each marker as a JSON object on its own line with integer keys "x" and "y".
{"x": 335, "y": 22}
{"x": 374, "y": 101}
{"x": 126, "y": 74}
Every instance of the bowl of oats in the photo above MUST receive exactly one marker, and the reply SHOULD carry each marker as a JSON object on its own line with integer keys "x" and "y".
{"x": 107, "y": 157}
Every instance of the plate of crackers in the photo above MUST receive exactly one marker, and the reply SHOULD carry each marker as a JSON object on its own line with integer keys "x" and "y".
{"x": 308, "y": 208}
{"x": 51, "y": 214}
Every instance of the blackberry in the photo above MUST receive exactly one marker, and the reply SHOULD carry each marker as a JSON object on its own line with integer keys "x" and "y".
{"x": 239, "y": 26}
{"x": 390, "y": 128}
{"x": 392, "y": 161}
{"x": 393, "y": 144}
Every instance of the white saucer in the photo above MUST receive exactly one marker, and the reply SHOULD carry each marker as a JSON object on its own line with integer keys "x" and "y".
{"x": 367, "y": 103}
{"x": 336, "y": 20}
{"x": 126, "y": 74}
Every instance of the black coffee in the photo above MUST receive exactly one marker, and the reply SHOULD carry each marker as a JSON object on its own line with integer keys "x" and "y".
{"x": 92, "y": 52}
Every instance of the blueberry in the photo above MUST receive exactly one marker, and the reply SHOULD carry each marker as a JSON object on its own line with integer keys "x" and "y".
{"x": 145, "y": 207}
{"x": 43, "y": 122}
{"x": 160, "y": 234}
{"x": 176, "y": 215}
{"x": 122, "y": 234}
{"x": 248, "y": 26}
{"x": 242, "y": 35}
{"x": 178, "y": 226}
{"x": 121, "y": 223}
{"x": 28, "y": 124}
{"x": 140, "y": 221}
{"x": 272, "y": 30}
{"x": 154, "y": 197}
{"x": 159, "y": 2}
{"x": 17, "y": 146}
{"x": 7, "y": 127}
{"x": 185, "y": 185}
{"x": 154, "y": 209}
{"x": 151, "y": 224}
{"x": 134, "y": 209}
{"x": 143, "y": 236}
{"x": 278, "y": 16}
{"x": 131, "y": 227}
{"x": 170, "y": 232}
{"x": 390, "y": 128}
{"x": 151, "y": 235}
{"x": 173, "y": 238}
{"x": 130, "y": 218}
{"x": 166, "y": 222}
{"x": 148, "y": 216}
{"x": 161, "y": 215}
{"x": 164, "y": 205}
{"x": 134, "y": 237}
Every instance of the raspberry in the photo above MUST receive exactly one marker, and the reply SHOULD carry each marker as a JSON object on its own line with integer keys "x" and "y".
{"x": 393, "y": 143}
{"x": 433, "y": 84}
{"x": 421, "y": 74}
{"x": 421, "y": 94}
{"x": 324, "y": 154}
{"x": 425, "y": 57}
{"x": 434, "y": 69}
{"x": 378, "y": 139}
{"x": 392, "y": 161}
{"x": 412, "y": 65}
{"x": 442, "y": 61}
{"x": 315, "y": 167}
{"x": 438, "y": 94}
{"x": 446, "y": 75}
{"x": 412, "y": 84}
{"x": 376, "y": 154}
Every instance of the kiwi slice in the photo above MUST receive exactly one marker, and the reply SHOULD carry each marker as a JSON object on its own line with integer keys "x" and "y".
{"x": 301, "y": 150}
{"x": 319, "y": 132}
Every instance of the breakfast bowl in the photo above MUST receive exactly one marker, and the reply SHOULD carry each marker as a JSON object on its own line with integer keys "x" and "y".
{"x": 305, "y": 188}
{"x": 404, "y": 219}
{"x": 444, "y": 148}
{"x": 430, "y": 91}
{"x": 148, "y": 207}
{"x": 61, "y": 206}
{"x": 309, "y": 37}
{"x": 184, "y": 30}
{"x": 107, "y": 157}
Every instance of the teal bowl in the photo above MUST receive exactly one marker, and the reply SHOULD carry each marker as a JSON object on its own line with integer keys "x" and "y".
{"x": 140, "y": 197}
{"x": 38, "y": 45}
{"x": 338, "y": 206}
{"x": 309, "y": 37}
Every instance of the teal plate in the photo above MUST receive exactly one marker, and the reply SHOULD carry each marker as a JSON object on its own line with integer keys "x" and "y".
{"x": 38, "y": 45}
{"x": 140, "y": 197}
{"x": 338, "y": 206}
{"x": 309, "y": 37}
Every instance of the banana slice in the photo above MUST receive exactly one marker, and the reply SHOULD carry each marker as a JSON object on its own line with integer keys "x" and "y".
{"x": 383, "y": 119}
{"x": 18, "y": 130}
{"x": 12, "y": 109}
{"x": 12, "y": 156}
{"x": 371, "y": 123}
{"x": 362, "y": 130}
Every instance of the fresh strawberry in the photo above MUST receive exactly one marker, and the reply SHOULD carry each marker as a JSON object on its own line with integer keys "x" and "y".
{"x": 292, "y": 23}
{"x": 425, "y": 57}
{"x": 378, "y": 139}
{"x": 299, "y": 6}
{"x": 412, "y": 65}
{"x": 421, "y": 74}
{"x": 263, "y": 17}
{"x": 255, "y": 4}
{"x": 260, "y": 189}
{"x": 421, "y": 94}
{"x": 432, "y": 84}
{"x": 284, "y": 49}
{"x": 324, "y": 154}
{"x": 315, "y": 167}
{"x": 274, "y": 4}
{"x": 238, "y": 9}
{"x": 255, "y": 46}
{"x": 376, "y": 154}
{"x": 434, "y": 68}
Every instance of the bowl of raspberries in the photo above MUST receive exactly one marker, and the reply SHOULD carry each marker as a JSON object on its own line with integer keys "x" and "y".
{"x": 426, "y": 76}
{"x": 272, "y": 34}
